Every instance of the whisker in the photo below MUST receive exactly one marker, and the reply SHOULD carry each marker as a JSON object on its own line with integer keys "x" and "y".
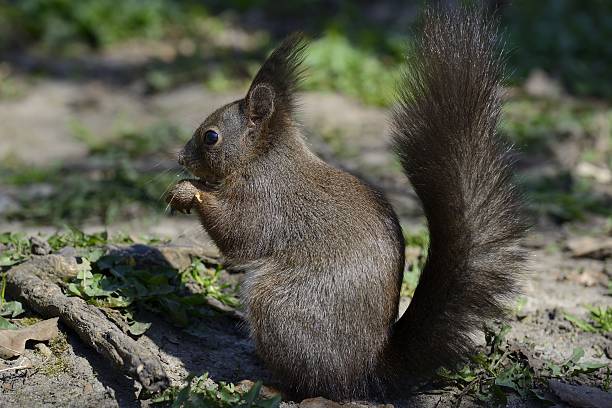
{"x": 157, "y": 176}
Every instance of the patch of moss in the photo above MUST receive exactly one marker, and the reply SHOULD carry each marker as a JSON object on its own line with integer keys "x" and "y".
{"x": 28, "y": 321}
{"x": 58, "y": 363}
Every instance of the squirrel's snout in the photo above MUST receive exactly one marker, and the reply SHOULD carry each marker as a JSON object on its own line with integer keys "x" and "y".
{"x": 180, "y": 158}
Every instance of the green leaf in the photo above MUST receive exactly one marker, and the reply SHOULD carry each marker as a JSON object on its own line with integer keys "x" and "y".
{"x": 273, "y": 402}
{"x": 577, "y": 354}
{"x": 581, "y": 324}
{"x": 555, "y": 369}
{"x": 138, "y": 328}
{"x": 505, "y": 379}
{"x": 94, "y": 255}
{"x": 115, "y": 302}
{"x": 5, "y": 324}
{"x": 182, "y": 397}
{"x": 253, "y": 393}
{"x": 6, "y": 260}
{"x": 13, "y": 308}
{"x": 591, "y": 366}
{"x": 183, "y": 394}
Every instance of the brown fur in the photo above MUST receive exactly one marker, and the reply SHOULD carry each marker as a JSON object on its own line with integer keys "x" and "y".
{"x": 323, "y": 252}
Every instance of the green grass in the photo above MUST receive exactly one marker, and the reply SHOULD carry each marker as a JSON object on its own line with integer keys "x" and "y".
{"x": 337, "y": 65}
{"x": 116, "y": 193}
{"x": 565, "y": 197}
{"x": 539, "y": 128}
{"x": 536, "y": 123}
{"x": 599, "y": 320}
{"x": 59, "y": 24}
{"x": 159, "y": 139}
{"x": 568, "y": 38}
{"x": 201, "y": 391}
{"x": 123, "y": 285}
{"x": 117, "y": 282}
{"x": 417, "y": 244}
{"x": 499, "y": 370}
{"x": 120, "y": 181}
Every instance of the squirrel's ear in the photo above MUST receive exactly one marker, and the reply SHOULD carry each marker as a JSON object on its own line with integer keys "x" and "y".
{"x": 278, "y": 78}
{"x": 260, "y": 105}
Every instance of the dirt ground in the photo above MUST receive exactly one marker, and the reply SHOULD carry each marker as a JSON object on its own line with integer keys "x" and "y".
{"x": 564, "y": 277}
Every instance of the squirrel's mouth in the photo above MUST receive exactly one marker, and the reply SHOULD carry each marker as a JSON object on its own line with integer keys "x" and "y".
{"x": 199, "y": 171}
{"x": 202, "y": 175}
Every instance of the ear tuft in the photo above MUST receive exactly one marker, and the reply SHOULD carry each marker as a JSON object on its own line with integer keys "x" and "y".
{"x": 282, "y": 73}
{"x": 260, "y": 104}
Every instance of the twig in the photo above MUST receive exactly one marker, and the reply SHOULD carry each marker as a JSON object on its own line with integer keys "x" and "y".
{"x": 89, "y": 323}
{"x": 20, "y": 366}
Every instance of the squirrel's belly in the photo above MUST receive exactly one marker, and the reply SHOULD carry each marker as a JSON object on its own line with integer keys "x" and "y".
{"x": 320, "y": 338}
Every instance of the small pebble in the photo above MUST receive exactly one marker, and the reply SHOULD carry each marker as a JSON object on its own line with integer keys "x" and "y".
{"x": 39, "y": 246}
{"x": 68, "y": 252}
{"x": 43, "y": 349}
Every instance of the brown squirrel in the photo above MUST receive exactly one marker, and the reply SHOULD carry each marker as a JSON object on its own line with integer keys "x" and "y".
{"x": 324, "y": 253}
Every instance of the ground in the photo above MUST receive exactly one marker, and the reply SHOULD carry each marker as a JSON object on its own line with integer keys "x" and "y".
{"x": 62, "y": 128}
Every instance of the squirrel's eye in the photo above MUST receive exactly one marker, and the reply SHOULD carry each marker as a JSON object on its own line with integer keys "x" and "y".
{"x": 211, "y": 137}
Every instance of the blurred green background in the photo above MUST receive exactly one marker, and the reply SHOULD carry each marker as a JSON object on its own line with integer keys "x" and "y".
{"x": 569, "y": 39}
{"x": 558, "y": 111}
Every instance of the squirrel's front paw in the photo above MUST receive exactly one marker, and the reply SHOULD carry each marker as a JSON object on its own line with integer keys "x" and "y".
{"x": 182, "y": 196}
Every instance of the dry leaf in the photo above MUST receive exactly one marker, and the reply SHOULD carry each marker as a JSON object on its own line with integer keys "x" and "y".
{"x": 12, "y": 342}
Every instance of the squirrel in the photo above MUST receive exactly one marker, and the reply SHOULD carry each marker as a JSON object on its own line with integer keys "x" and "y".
{"x": 323, "y": 251}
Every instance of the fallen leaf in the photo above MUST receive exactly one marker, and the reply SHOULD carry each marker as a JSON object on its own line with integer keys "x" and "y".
{"x": 12, "y": 342}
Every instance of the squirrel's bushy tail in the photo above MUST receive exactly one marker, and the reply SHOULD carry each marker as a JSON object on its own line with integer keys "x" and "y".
{"x": 444, "y": 131}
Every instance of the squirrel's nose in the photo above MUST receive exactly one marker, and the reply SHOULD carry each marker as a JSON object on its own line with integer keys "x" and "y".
{"x": 181, "y": 159}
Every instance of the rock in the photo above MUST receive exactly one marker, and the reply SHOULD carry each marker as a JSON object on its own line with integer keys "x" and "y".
{"x": 7, "y": 204}
{"x": 43, "y": 349}
{"x": 174, "y": 256}
{"x": 55, "y": 268}
{"x": 266, "y": 392}
{"x": 540, "y": 84}
{"x": 590, "y": 247}
{"x": 608, "y": 351}
{"x": 320, "y": 402}
{"x": 39, "y": 246}
{"x": 37, "y": 191}
{"x": 589, "y": 273}
{"x": 581, "y": 396}
{"x": 599, "y": 174}
{"x": 68, "y": 252}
